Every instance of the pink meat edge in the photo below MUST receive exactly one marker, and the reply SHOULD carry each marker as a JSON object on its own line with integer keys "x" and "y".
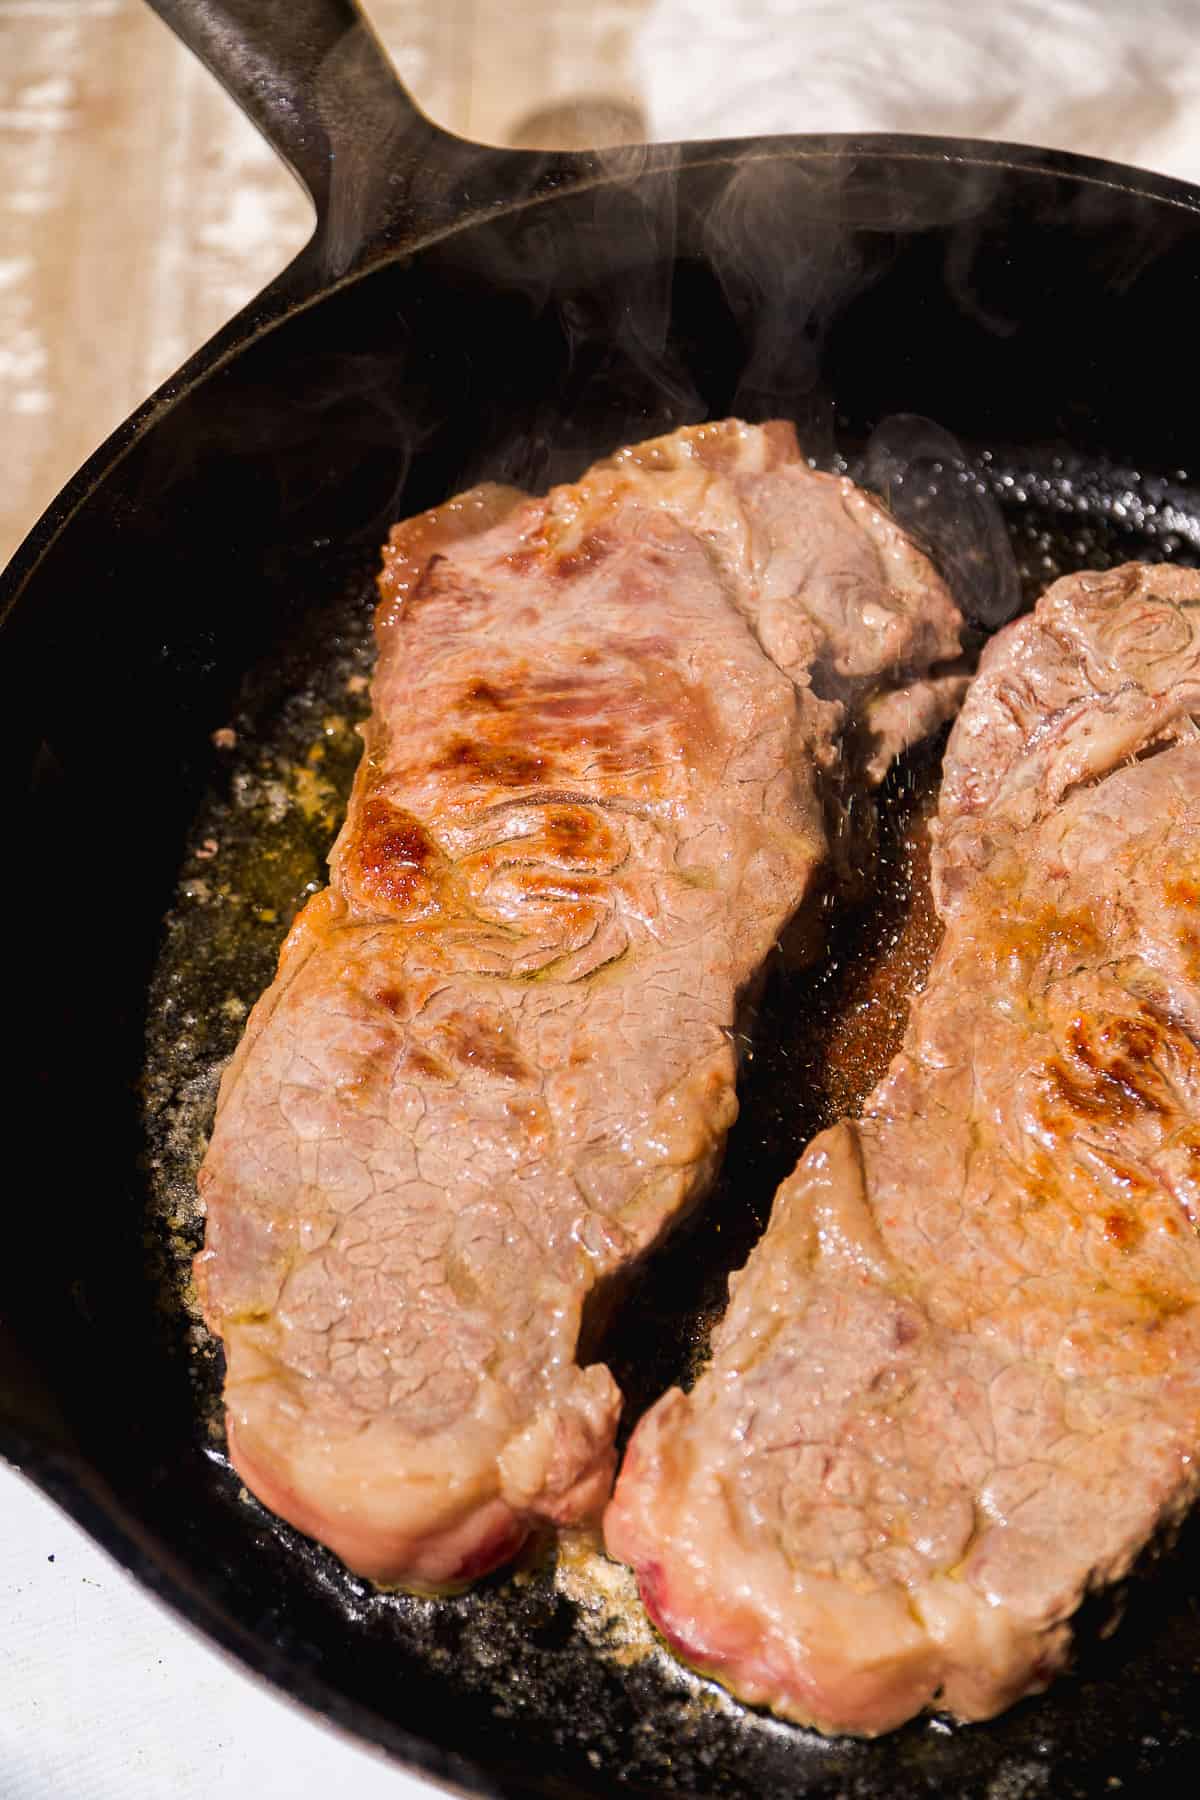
{"x": 443, "y": 1562}
{"x": 737, "y": 1652}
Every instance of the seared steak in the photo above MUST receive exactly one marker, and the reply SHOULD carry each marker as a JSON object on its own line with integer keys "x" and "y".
{"x": 496, "y": 1061}
{"x": 958, "y": 1385}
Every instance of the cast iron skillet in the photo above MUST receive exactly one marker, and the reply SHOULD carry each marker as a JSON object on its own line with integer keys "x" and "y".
{"x": 460, "y": 313}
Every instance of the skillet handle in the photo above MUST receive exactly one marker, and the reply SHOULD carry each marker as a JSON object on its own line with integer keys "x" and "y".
{"x": 314, "y": 78}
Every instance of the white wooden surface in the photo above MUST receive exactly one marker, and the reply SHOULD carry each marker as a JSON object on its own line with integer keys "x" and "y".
{"x": 139, "y": 210}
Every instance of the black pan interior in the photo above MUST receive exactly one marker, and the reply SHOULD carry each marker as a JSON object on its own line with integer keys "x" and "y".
{"x": 219, "y": 577}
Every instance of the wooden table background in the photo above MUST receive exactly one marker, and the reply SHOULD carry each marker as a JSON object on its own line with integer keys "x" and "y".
{"x": 139, "y": 210}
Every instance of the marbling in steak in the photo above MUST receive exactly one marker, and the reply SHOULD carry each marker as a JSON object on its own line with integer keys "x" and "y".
{"x": 496, "y": 1061}
{"x": 958, "y": 1385}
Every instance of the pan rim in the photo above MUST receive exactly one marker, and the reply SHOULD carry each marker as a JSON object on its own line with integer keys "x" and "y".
{"x": 279, "y": 301}
{"x": 150, "y": 1564}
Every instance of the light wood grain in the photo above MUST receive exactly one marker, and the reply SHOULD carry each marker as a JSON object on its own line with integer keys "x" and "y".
{"x": 139, "y": 210}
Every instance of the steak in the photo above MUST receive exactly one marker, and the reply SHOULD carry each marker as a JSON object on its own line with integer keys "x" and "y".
{"x": 497, "y": 1059}
{"x": 958, "y": 1384}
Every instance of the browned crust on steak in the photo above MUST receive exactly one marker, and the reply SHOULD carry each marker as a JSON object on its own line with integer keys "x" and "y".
{"x": 958, "y": 1384}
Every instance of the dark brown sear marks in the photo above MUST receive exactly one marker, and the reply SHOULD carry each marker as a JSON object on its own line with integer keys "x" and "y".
{"x": 482, "y": 695}
{"x": 565, "y": 862}
{"x": 575, "y": 836}
{"x": 1111, "y": 1076}
{"x": 1108, "y": 1083}
{"x": 625, "y": 712}
{"x": 372, "y": 1076}
{"x": 391, "y": 858}
{"x": 1182, "y": 891}
{"x": 552, "y": 548}
{"x": 429, "y": 1068}
{"x": 501, "y": 765}
{"x": 587, "y": 555}
{"x": 478, "y": 1043}
{"x": 1122, "y": 1230}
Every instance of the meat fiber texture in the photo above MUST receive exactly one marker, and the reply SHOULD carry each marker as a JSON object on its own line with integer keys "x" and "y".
{"x": 497, "y": 1059}
{"x": 958, "y": 1384}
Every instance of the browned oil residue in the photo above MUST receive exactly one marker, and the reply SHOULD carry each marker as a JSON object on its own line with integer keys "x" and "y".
{"x": 871, "y": 1024}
